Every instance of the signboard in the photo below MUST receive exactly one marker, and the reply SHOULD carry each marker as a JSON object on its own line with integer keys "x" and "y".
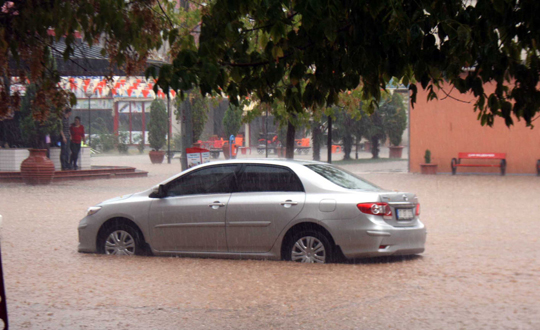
{"x": 197, "y": 156}
{"x": 94, "y": 104}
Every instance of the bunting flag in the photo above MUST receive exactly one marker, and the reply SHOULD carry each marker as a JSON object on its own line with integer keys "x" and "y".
{"x": 118, "y": 87}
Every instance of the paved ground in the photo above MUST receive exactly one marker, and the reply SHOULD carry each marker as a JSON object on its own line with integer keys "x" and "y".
{"x": 481, "y": 269}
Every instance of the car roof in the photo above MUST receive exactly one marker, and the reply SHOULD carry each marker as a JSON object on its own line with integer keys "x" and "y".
{"x": 271, "y": 161}
{"x": 291, "y": 163}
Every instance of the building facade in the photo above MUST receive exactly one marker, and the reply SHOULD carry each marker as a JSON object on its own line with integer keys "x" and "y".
{"x": 450, "y": 125}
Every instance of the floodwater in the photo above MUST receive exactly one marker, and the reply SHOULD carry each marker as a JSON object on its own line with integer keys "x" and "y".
{"x": 481, "y": 268}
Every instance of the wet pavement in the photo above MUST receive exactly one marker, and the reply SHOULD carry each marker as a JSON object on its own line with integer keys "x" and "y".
{"x": 481, "y": 268}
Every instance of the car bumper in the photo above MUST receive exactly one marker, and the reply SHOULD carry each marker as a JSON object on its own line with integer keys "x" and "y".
{"x": 381, "y": 240}
{"x": 87, "y": 236}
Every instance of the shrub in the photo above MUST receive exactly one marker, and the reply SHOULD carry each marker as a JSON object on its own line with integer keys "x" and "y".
{"x": 157, "y": 127}
{"x": 232, "y": 120}
{"x": 427, "y": 157}
{"x": 395, "y": 119}
{"x": 103, "y": 140}
{"x": 140, "y": 145}
{"x": 123, "y": 140}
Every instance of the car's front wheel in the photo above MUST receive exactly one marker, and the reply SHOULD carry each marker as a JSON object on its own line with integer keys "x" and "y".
{"x": 309, "y": 247}
{"x": 121, "y": 240}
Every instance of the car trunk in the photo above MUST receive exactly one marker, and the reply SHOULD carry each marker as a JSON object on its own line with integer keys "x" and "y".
{"x": 403, "y": 207}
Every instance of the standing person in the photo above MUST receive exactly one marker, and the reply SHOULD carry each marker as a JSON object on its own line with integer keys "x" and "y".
{"x": 77, "y": 135}
{"x": 65, "y": 139}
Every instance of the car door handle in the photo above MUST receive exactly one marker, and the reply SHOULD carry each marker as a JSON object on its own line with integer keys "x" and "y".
{"x": 216, "y": 205}
{"x": 288, "y": 203}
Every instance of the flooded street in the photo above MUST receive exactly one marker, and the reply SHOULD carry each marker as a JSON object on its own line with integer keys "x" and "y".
{"x": 481, "y": 268}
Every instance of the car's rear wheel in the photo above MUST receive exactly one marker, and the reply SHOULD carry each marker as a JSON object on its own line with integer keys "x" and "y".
{"x": 309, "y": 247}
{"x": 121, "y": 239}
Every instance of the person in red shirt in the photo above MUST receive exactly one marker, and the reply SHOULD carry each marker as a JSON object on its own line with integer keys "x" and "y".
{"x": 77, "y": 135}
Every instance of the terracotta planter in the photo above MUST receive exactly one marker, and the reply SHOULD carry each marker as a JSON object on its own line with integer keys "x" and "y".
{"x": 225, "y": 149}
{"x": 37, "y": 169}
{"x": 428, "y": 168}
{"x": 367, "y": 146}
{"x": 396, "y": 151}
{"x": 156, "y": 157}
{"x": 226, "y": 153}
{"x": 281, "y": 152}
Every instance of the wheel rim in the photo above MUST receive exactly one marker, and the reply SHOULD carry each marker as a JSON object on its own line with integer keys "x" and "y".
{"x": 308, "y": 249}
{"x": 120, "y": 242}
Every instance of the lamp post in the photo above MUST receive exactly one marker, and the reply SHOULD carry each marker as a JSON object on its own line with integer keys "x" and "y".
{"x": 266, "y": 131}
{"x": 89, "y": 94}
{"x": 168, "y": 128}
{"x": 329, "y": 142}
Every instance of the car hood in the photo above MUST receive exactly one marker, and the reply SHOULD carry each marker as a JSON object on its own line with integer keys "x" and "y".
{"x": 116, "y": 199}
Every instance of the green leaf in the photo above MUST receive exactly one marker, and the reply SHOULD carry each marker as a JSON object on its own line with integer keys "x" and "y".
{"x": 263, "y": 40}
{"x": 277, "y": 52}
{"x": 277, "y": 31}
{"x": 297, "y": 73}
{"x": 330, "y": 30}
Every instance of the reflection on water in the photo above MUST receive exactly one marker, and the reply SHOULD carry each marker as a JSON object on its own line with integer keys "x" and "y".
{"x": 481, "y": 269}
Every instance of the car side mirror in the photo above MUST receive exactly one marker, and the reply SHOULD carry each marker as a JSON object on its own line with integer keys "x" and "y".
{"x": 159, "y": 192}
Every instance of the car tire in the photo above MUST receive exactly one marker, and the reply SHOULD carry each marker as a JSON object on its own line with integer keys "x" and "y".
{"x": 120, "y": 239}
{"x": 309, "y": 246}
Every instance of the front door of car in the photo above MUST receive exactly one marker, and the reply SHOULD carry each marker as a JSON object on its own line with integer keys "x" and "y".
{"x": 268, "y": 197}
{"x": 191, "y": 217}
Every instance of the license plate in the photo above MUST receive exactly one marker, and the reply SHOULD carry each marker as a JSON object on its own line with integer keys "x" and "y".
{"x": 404, "y": 214}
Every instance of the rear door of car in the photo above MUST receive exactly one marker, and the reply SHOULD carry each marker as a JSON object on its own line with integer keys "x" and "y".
{"x": 268, "y": 197}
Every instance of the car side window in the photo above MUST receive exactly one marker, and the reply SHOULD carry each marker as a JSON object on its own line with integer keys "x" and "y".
{"x": 211, "y": 180}
{"x": 256, "y": 178}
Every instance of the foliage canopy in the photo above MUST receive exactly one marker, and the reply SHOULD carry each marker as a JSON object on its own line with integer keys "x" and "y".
{"x": 326, "y": 47}
{"x": 128, "y": 30}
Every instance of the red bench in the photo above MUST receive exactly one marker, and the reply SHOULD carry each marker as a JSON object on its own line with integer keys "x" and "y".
{"x": 477, "y": 155}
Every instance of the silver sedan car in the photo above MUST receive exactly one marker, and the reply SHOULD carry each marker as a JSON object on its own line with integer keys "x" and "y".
{"x": 302, "y": 211}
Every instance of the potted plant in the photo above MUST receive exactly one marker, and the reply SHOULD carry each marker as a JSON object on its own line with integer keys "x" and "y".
{"x": 232, "y": 121}
{"x": 123, "y": 142}
{"x": 157, "y": 131}
{"x": 427, "y": 167}
{"x": 395, "y": 123}
{"x": 37, "y": 169}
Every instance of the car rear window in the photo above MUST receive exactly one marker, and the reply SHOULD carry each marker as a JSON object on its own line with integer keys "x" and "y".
{"x": 257, "y": 178}
{"x": 341, "y": 177}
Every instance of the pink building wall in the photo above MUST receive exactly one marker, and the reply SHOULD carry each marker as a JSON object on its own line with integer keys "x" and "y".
{"x": 448, "y": 126}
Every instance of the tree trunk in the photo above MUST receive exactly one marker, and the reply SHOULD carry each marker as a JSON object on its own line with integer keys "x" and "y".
{"x": 185, "y": 119}
{"x": 347, "y": 146}
{"x": 316, "y": 141}
{"x": 356, "y": 147}
{"x": 375, "y": 147}
{"x": 329, "y": 140}
{"x": 291, "y": 131}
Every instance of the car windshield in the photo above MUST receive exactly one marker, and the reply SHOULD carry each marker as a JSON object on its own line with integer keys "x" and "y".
{"x": 341, "y": 178}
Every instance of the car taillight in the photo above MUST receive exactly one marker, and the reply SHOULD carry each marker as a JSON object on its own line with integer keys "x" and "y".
{"x": 375, "y": 209}
{"x": 417, "y": 209}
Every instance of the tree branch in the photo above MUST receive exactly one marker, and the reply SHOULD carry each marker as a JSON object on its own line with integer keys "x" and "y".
{"x": 59, "y": 52}
{"x": 164, "y": 13}
{"x": 255, "y": 64}
{"x": 269, "y": 25}
{"x": 450, "y": 96}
